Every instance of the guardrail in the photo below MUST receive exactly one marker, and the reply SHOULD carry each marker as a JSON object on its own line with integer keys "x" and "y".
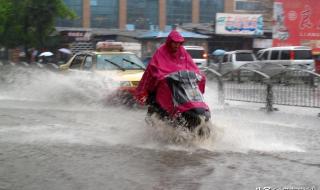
{"x": 276, "y": 84}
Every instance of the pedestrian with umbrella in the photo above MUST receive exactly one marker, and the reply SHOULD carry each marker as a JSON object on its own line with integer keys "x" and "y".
{"x": 45, "y": 57}
{"x": 64, "y": 55}
{"x": 218, "y": 55}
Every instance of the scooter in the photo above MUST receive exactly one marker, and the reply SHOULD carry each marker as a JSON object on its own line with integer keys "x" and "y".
{"x": 192, "y": 113}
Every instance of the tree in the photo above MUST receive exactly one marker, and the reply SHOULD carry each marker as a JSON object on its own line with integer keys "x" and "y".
{"x": 4, "y": 10}
{"x": 42, "y": 15}
{"x": 30, "y": 22}
{"x": 10, "y": 28}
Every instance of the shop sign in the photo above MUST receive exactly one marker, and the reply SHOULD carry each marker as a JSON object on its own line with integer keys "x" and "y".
{"x": 77, "y": 35}
{"x": 239, "y": 24}
{"x": 296, "y": 22}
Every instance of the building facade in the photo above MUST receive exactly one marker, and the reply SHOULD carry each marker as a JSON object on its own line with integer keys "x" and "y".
{"x": 141, "y": 14}
{"x": 155, "y": 15}
{"x": 264, "y": 7}
{"x": 158, "y": 14}
{"x": 240, "y": 41}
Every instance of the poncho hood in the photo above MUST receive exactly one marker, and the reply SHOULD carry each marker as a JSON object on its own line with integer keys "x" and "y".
{"x": 174, "y": 36}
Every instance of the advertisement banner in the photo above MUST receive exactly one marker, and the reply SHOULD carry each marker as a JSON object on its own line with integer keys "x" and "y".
{"x": 239, "y": 24}
{"x": 297, "y": 22}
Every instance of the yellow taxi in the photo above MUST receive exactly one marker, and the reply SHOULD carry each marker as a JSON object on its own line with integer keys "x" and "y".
{"x": 110, "y": 60}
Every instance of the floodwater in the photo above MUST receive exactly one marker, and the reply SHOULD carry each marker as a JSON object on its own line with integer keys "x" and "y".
{"x": 57, "y": 134}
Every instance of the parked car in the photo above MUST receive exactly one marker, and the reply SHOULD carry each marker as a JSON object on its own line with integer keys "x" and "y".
{"x": 287, "y": 56}
{"x": 198, "y": 54}
{"x": 232, "y": 60}
{"x": 110, "y": 60}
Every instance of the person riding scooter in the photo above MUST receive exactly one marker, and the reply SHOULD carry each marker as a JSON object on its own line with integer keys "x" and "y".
{"x": 172, "y": 85}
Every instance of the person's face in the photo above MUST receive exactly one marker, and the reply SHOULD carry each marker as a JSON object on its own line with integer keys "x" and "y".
{"x": 175, "y": 46}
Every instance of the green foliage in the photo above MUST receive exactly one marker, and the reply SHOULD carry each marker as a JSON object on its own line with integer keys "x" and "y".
{"x": 30, "y": 22}
{"x": 4, "y": 10}
{"x": 9, "y": 26}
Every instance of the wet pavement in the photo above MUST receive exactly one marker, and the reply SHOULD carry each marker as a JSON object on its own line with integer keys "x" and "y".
{"x": 55, "y": 133}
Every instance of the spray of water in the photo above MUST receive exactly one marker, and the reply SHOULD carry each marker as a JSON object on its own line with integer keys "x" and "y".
{"x": 123, "y": 125}
{"x": 43, "y": 85}
{"x": 245, "y": 131}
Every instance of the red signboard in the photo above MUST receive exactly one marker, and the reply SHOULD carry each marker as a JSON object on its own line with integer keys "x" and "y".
{"x": 297, "y": 22}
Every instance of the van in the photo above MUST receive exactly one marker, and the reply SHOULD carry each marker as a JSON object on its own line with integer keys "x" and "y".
{"x": 287, "y": 56}
{"x": 198, "y": 54}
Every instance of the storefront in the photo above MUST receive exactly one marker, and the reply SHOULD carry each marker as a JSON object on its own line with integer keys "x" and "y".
{"x": 151, "y": 40}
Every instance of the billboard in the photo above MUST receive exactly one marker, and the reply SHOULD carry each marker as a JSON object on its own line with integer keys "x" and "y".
{"x": 239, "y": 24}
{"x": 296, "y": 22}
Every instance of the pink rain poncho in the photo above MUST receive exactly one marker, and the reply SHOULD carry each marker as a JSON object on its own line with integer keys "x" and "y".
{"x": 164, "y": 62}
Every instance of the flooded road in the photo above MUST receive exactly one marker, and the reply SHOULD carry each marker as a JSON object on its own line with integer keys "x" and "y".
{"x": 56, "y": 133}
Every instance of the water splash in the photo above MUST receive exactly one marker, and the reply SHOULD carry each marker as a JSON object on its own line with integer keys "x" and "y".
{"x": 43, "y": 85}
{"x": 239, "y": 133}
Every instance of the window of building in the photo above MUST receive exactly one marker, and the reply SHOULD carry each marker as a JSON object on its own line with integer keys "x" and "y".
{"x": 105, "y": 14}
{"x": 93, "y": 2}
{"x": 76, "y": 6}
{"x": 209, "y": 8}
{"x": 143, "y": 14}
{"x": 179, "y": 11}
{"x": 244, "y": 5}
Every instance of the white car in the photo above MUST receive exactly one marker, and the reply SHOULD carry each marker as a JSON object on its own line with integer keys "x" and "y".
{"x": 233, "y": 60}
{"x": 198, "y": 54}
